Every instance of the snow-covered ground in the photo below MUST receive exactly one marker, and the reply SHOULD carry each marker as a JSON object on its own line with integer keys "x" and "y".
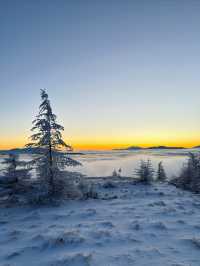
{"x": 143, "y": 225}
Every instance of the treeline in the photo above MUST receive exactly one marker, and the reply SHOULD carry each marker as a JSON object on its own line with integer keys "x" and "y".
{"x": 146, "y": 173}
{"x": 188, "y": 179}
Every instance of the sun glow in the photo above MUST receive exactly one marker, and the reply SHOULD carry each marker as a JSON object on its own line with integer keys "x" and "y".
{"x": 116, "y": 141}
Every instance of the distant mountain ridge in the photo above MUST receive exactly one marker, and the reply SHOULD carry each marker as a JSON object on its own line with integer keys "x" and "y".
{"x": 166, "y": 147}
{"x": 152, "y": 148}
{"x": 131, "y": 148}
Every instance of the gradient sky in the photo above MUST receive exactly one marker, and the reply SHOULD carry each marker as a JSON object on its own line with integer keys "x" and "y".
{"x": 118, "y": 73}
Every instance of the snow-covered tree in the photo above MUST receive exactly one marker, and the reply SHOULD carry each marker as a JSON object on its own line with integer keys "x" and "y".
{"x": 145, "y": 171}
{"x": 15, "y": 170}
{"x": 114, "y": 173}
{"x": 161, "y": 176}
{"x": 11, "y": 165}
{"x": 189, "y": 177}
{"x": 48, "y": 137}
{"x": 117, "y": 173}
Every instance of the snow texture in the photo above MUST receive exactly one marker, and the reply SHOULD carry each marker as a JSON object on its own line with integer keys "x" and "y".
{"x": 140, "y": 225}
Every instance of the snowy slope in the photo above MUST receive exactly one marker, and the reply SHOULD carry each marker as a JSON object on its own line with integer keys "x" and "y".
{"x": 144, "y": 225}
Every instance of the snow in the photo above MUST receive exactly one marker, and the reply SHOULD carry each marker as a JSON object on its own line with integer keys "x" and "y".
{"x": 139, "y": 225}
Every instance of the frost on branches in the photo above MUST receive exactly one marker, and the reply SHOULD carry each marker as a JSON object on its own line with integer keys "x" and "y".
{"x": 15, "y": 177}
{"x": 145, "y": 172}
{"x": 16, "y": 169}
{"x": 47, "y": 136}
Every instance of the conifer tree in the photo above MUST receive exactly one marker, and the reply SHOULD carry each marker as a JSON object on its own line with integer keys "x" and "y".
{"x": 11, "y": 163}
{"x": 145, "y": 171}
{"x": 12, "y": 174}
{"x": 48, "y": 138}
{"x": 161, "y": 176}
{"x": 189, "y": 177}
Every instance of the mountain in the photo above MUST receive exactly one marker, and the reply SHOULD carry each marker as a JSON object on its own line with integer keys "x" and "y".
{"x": 134, "y": 148}
{"x": 165, "y": 148}
{"x": 151, "y": 148}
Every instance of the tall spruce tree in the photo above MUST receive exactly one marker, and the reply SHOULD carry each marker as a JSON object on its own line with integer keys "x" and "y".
{"x": 48, "y": 138}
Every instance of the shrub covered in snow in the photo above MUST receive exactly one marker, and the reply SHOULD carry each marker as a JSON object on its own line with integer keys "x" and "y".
{"x": 87, "y": 189}
{"x": 117, "y": 173}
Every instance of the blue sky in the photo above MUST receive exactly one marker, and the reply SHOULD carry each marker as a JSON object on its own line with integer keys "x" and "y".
{"x": 117, "y": 72}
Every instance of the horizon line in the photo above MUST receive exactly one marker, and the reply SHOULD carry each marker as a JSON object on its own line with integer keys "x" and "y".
{"x": 109, "y": 147}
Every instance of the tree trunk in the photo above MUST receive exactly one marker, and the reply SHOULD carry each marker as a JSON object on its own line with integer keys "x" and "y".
{"x": 51, "y": 189}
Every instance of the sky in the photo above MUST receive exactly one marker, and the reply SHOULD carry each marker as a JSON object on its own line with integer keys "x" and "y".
{"x": 118, "y": 73}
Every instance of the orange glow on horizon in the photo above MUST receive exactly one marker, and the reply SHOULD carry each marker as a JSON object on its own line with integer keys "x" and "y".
{"x": 20, "y": 143}
{"x": 123, "y": 146}
{"x": 104, "y": 142}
